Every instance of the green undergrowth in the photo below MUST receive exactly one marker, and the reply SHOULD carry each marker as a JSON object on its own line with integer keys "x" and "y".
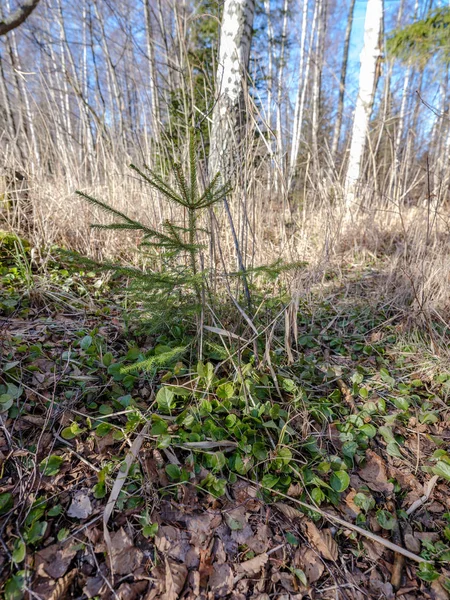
{"x": 302, "y": 427}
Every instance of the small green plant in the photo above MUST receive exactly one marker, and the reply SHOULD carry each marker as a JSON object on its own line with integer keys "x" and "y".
{"x": 178, "y": 285}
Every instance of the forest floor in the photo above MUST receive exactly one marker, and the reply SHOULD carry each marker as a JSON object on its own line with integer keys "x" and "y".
{"x": 245, "y": 477}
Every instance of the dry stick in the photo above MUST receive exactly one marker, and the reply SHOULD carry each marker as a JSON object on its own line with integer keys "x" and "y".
{"x": 330, "y": 517}
{"x": 421, "y": 501}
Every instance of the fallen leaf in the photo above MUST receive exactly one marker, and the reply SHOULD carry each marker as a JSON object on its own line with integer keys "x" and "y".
{"x": 173, "y": 542}
{"x": 287, "y": 581}
{"x": 176, "y": 574}
{"x": 288, "y": 511}
{"x": 81, "y": 507}
{"x": 412, "y": 543}
{"x": 260, "y": 542}
{"x": 62, "y": 586}
{"x": 236, "y": 519}
{"x": 125, "y": 556}
{"x": 322, "y": 540}
{"x": 94, "y": 586}
{"x": 375, "y": 475}
{"x": 54, "y": 560}
{"x": 131, "y": 591}
{"x": 310, "y": 563}
{"x": 222, "y": 580}
{"x": 252, "y": 566}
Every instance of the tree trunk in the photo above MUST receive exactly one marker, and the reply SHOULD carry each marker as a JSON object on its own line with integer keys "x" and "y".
{"x": 370, "y": 57}
{"x": 229, "y": 110}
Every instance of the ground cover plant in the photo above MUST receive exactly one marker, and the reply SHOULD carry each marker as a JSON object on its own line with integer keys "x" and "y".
{"x": 244, "y": 474}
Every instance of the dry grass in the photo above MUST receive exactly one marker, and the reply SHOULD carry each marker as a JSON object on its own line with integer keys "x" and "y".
{"x": 407, "y": 245}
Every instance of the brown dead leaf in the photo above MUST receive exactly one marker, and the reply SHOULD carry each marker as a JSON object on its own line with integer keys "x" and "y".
{"x": 295, "y": 490}
{"x": 131, "y": 591}
{"x": 94, "y": 586}
{"x": 125, "y": 556}
{"x": 172, "y": 541}
{"x": 287, "y": 581}
{"x": 260, "y": 542}
{"x": 352, "y": 510}
{"x": 202, "y": 527}
{"x": 253, "y": 566}
{"x": 176, "y": 574}
{"x": 222, "y": 580}
{"x": 54, "y": 560}
{"x": 322, "y": 540}
{"x": 374, "y": 550}
{"x": 310, "y": 563}
{"x": 375, "y": 475}
{"x": 236, "y": 518}
{"x": 288, "y": 511}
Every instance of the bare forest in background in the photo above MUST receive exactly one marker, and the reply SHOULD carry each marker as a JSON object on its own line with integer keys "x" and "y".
{"x": 321, "y": 173}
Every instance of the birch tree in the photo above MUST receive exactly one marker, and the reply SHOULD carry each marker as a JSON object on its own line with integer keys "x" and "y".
{"x": 229, "y": 109}
{"x": 370, "y": 56}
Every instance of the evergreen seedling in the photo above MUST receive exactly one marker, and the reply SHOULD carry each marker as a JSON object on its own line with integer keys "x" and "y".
{"x": 178, "y": 288}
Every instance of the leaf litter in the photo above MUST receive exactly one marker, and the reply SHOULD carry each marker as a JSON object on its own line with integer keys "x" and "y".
{"x": 171, "y": 534}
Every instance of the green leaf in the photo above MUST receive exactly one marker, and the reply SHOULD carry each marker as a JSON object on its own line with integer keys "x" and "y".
{"x": 230, "y": 421}
{"x": 174, "y": 472}
{"x": 386, "y": 519}
{"x": 150, "y": 530}
{"x": 14, "y": 391}
{"x": 165, "y": 400}
{"x": 369, "y": 430}
{"x": 393, "y": 449}
{"x": 427, "y": 572}
{"x": 19, "y": 551}
{"x": 63, "y": 534}
{"x": 259, "y": 451}
{"x": 51, "y": 465}
{"x": 15, "y": 586}
{"x": 225, "y": 391}
{"x": 442, "y": 469}
{"x": 55, "y": 510}
{"x": 6, "y": 401}
{"x": 159, "y": 427}
{"x": 364, "y": 501}
{"x": 401, "y": 403}
{"x": 86, "y": 342}
{"x": 339, "y": 481}
{"x": 300, "y": 576}
{"x": 71, "y": 432}
{"x": 269, "y": 481}
{"x": 107, "y": 359}
{"x": 6, "y": 502}
{"x": 36, "y": 532}
{"x": 317, "y": 495}
{"x": 291, "y": 539}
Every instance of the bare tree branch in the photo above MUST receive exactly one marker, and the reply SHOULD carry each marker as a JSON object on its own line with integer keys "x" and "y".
{"x": 18, "y": 16}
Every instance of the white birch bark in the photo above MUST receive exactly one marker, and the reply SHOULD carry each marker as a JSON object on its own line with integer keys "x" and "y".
{"x": 364, "y": 104}
{"x": 229, "y": 110}
{"x": 269, "y": 86}
{"x": 279, "y": 137}
{"x": 296, "y": 125}
{"x": 296, "y": 146}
